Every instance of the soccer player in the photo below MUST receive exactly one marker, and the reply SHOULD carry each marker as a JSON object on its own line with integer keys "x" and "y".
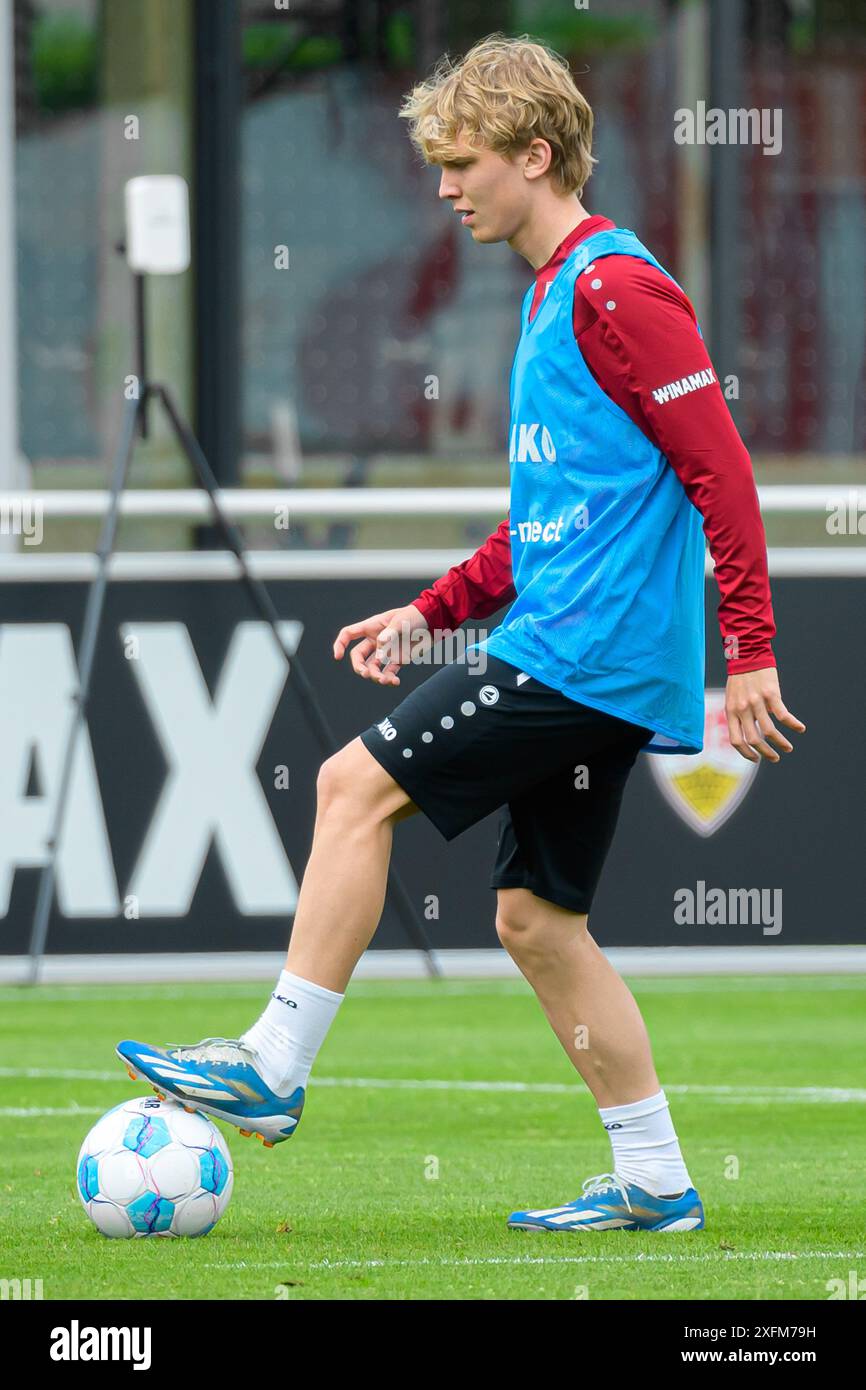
{"x": 622, "y": 452}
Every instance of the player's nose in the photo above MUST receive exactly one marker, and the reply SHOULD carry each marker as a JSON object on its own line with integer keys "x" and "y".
{"x": 448, "y": 187}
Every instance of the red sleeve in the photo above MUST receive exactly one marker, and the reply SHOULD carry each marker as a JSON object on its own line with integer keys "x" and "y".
{"x": 474, "y": 589}
{"x": 639, "y": 337}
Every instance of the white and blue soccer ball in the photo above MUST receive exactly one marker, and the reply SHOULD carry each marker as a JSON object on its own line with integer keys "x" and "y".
{"x": 151, "y": 1168}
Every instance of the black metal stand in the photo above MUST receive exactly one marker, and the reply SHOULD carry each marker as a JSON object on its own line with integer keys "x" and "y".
{"x": 135, "y": 418}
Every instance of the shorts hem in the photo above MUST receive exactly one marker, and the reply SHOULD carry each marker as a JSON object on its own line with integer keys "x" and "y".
{"x": 567, "y": 901}
{"x": 448, "y": 832}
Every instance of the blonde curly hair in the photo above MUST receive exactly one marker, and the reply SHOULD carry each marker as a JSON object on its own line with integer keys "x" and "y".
{"x": 504, "y": 93}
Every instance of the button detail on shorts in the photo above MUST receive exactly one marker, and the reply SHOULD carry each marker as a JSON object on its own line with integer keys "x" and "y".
{"x": 467, "y": 707}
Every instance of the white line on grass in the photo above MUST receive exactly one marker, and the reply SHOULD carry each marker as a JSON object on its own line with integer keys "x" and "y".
{"x": 12, "y": 1112}
{"x": 719, "y": 1257}
{"x": 59, "y": 1074}
{"x": 424, "y": 991}
{"x": 783, "y": 1095}
{"x": 755, "y": 1094}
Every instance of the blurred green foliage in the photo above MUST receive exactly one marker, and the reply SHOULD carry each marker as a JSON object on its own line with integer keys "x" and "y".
{"x": 581, "y": 31}
{"x": 400, "y": 40}
{"x": 64, "y": 58}
{"x": 275, "y": 45}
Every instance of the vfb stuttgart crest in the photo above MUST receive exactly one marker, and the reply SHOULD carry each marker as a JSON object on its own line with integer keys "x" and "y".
{"x": 706, "y": 788}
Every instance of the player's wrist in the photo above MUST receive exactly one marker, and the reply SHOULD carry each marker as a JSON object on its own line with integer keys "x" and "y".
{"x": 418, "y": 614}
{"x": 741, "y": 666}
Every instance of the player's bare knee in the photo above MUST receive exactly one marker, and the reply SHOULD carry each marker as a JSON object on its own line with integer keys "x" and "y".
{"x": 351, "y": 781}
{"x": 519, "y": 919}
{"x": 528, "y": 925}
{"x": 333, "y": 781}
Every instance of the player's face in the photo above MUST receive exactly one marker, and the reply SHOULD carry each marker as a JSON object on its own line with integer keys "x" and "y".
{"x": 487, "y": 191}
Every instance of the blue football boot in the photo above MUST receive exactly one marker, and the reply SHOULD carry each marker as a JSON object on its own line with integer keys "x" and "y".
{"x": 219, "y": 1076}
{"x": 608, "y": 1203}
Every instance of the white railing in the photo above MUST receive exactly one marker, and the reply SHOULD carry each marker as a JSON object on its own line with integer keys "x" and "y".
{"x": 35, "y": 566}
{"x": 191, "y": 504}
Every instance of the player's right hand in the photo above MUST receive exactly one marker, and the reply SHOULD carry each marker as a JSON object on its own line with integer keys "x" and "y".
{"x": 752, "y": 701}
{"x": 384, "y": 645}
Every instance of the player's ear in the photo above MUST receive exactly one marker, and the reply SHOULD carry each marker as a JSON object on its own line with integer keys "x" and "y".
{"x": 538, "y": 158}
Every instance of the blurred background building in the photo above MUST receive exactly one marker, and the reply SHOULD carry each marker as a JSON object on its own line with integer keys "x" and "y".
{"x": 330, "y": 288}
{"x": 339, "y": 328}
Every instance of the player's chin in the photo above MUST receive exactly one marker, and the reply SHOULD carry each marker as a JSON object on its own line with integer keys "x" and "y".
{"x": 492, "y": 234}
{"x": 485, "y": 234}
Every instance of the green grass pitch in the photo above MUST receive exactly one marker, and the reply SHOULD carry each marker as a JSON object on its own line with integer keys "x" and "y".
{"x": 414, "y": 1147}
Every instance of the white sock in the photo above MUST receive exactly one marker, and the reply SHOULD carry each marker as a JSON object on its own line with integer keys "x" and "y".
{"x": 291, "y": 1030}
{"x": 646, "y": 1150}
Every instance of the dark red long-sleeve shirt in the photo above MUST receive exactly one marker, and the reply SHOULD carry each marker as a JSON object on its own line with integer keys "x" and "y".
{"x": 639, "y": 337}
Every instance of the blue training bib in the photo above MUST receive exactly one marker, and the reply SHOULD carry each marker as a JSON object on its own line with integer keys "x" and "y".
{"x": 607, "y": 551}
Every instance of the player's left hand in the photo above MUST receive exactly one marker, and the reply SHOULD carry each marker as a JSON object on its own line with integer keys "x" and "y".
{"x": 752, "y": 701}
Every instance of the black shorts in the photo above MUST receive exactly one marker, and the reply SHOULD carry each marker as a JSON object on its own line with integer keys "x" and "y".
{"x": 465, "y": 743}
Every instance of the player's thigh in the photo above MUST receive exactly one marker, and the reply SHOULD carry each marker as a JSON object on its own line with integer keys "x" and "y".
{"x": 355, "y": 778}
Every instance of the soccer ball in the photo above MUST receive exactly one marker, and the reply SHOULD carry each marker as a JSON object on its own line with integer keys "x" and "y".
{"x": 151, "y": 1168}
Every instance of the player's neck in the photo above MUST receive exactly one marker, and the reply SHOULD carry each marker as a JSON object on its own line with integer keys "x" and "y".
{"x": 537, "y": 240}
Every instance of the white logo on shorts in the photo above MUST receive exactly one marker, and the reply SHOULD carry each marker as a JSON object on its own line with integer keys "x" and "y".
{"x": 386, "y": 729}
{"x": 488, "y": 694}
